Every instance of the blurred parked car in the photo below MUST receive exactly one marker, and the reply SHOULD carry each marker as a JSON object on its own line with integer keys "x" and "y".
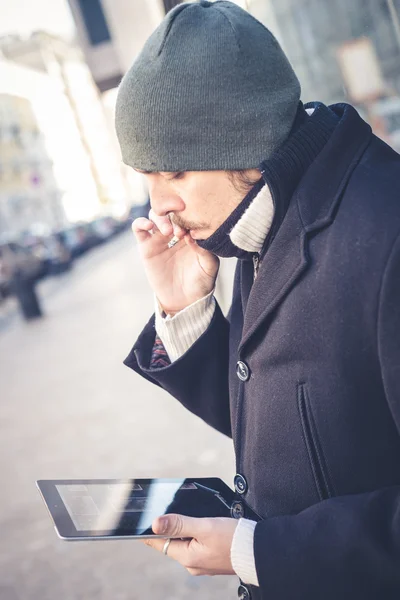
{"x": 140, "y": 210}
{"x": 104, "y": 227}
{"x": 79, "y": 238}
{"x": 51, "y": 250}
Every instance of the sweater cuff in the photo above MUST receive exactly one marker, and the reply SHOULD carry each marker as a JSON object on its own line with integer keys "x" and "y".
{"x": 242, "y": 552}
{"x": 180, "y": 332}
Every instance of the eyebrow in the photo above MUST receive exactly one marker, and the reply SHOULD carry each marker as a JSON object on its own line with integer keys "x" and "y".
{"x": 143, "y": 172}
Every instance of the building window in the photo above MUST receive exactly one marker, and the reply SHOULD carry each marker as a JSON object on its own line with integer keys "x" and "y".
{"x": 170, "y": 4}
{"x": 95, "y": 21}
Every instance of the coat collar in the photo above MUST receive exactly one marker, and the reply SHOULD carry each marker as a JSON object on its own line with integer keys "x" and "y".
{"x": 247, "y": 224}
{"x": 284, "y": 171}
{"x": 311, "y": 208}
{"x": 322, "y": 186}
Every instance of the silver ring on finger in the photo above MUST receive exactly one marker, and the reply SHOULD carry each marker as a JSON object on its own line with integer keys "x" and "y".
{"x": 166, "y": 546}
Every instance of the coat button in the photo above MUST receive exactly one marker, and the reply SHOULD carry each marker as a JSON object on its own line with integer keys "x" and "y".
{"x": 240, "y": 484}
{"x": 237, "y": 510}
{"x": 242, "y": 371}
{"x": 243, "y": 593}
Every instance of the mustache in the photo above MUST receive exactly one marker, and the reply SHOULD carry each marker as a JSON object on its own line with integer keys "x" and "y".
{"x": 184, "y": 224}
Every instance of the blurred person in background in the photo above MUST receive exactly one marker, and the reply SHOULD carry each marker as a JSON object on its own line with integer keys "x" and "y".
{"x": 304, "y": 374}
{"x": 19, "y": 271}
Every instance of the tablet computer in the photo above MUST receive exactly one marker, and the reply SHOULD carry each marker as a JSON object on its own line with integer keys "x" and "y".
{"x": 89, "y": 509}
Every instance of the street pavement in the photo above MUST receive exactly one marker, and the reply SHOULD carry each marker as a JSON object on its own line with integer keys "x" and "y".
{"x": 70, "y": 409}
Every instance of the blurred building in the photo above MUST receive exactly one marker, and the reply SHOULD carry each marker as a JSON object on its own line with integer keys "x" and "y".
{"x": 170, "y": 4}
{"x": 112, "y": 33}
{"x": 340, "y": 50}
{"x": 54, "y": 77}
{"x": 29, "y": 193}
{"x": 314, "y": 33}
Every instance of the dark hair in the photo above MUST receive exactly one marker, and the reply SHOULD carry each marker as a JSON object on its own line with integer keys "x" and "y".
{"x": 241, "y": 180}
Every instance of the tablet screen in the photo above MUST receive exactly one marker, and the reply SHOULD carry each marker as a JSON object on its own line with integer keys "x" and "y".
{"x": 83, "y": 508}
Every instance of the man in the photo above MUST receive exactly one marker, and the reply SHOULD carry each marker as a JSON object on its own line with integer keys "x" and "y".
{"x": 305, "y": 373}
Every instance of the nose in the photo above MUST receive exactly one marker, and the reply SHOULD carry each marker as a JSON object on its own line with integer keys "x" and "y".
{"x": 163, "y": 198}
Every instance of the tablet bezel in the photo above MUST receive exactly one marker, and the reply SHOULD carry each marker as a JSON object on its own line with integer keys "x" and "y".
{"x": 66, "y": 529}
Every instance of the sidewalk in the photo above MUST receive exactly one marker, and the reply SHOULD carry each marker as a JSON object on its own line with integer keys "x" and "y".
{"x": 69, "y": 408}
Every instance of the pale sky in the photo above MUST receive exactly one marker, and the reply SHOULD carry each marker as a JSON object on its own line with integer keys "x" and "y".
{"x": 25, "y": 16}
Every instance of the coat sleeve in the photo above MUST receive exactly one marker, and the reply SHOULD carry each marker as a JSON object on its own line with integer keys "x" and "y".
{"x": 346, "y": 547}
{"x": 199, "y": 378}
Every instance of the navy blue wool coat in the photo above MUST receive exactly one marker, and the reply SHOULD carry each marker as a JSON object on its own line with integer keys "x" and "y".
{"x": 316, "y": 425}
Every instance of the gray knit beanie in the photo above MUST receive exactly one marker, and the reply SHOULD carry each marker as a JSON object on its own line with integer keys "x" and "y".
{"x": 211, "y": 90}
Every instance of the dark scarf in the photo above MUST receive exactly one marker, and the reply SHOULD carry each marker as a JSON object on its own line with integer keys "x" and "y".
{"x": 282, "y": 173}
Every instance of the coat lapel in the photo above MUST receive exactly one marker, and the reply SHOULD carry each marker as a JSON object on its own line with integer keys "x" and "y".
{"x": 312, "y": 208}
{"x": 282, "y": 266}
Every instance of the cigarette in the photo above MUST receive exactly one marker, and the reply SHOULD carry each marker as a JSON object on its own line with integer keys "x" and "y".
{"x": 172, "y": 242}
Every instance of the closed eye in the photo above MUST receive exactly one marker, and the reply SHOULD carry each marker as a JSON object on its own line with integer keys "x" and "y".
{"x": 175, "y": 176}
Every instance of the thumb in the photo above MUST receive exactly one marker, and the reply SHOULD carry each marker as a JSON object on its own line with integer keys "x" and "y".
{"x": 179, "y": 526}
{"x": 207, "y": 259}
{"x": 192, "y": 244}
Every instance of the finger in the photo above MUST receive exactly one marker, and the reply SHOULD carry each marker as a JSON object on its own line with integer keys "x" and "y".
{"x": 163, "y": 223}
{"x": 179, "y": 526}
{"x": 177, "y": 549}
{"x": 209, "y": 262}
{"x": 178, "y": 231}
{"x": 192, "y": 243}
{"x": 197, "y": 572}
{"x": 156, "y": 543}
{"x": 142, "y": 228}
